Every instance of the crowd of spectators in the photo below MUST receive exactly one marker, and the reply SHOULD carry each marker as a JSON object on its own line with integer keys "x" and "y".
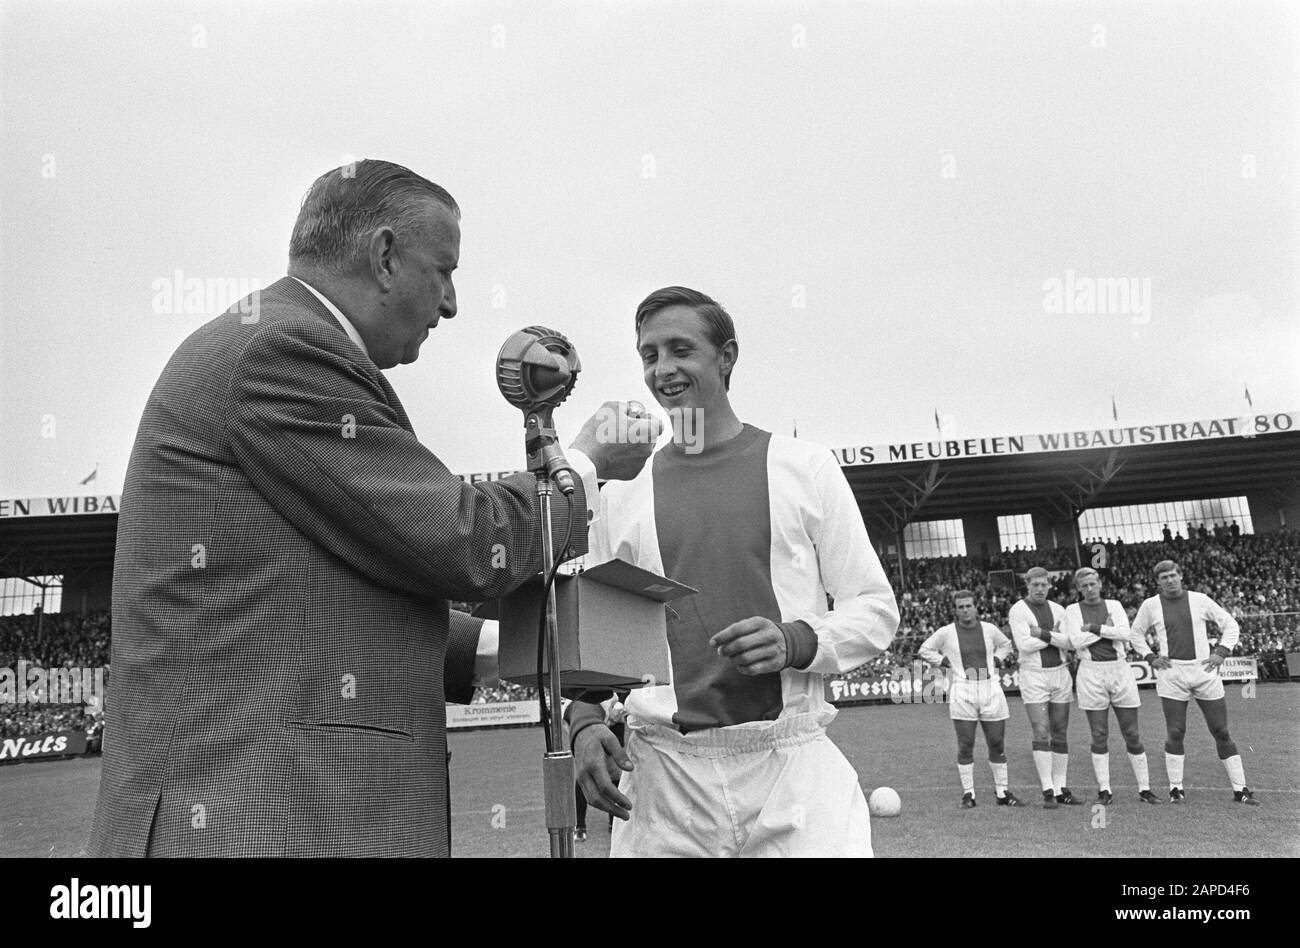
{"x": 505, "y": 691}
{"x": 56, "y": 640}
{"x": 1256, "y": 577}
{"x": 22, "y": 720}
{"x": 49, "y": 642}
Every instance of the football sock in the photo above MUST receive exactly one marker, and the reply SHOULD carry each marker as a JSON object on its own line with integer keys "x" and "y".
{"x": 1174, "y": 767}
{"x": 1043, "y": 764}
{"x": 1059, "y": 764}
{"x": 1139, "y": 762}
{"x": 1236, "y": 772}
{"x": 999, "y": 777}
{"x": 1101, "y": 767}
{"x": 967, "y": 772}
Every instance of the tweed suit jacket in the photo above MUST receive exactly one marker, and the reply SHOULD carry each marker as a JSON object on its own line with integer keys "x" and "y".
{"x": 285, "y": 551}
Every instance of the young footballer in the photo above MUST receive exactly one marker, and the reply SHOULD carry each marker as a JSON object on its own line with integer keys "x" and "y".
{"x": 1045, "y": 683}
{"x": 732, "y": 757}
{"x": 1188, "y": 668}
{"x": 1098, "y": 630}
{"x": 970, "y": 650}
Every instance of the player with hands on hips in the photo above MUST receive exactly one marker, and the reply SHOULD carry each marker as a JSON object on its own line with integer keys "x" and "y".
{"x": 1188, "y": 668}
{"x": 970, "y": 649}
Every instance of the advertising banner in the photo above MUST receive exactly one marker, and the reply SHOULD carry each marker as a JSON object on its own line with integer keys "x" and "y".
{"x": 37, "y": 746}
{"x": 493, "y": 714}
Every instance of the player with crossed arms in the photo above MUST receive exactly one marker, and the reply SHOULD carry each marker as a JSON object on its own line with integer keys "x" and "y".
{"x": 1045, "y": 684}
{"x": 1098, "y": 630}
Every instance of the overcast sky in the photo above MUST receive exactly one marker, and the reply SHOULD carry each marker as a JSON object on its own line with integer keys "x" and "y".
{"x": 880, "y": 193}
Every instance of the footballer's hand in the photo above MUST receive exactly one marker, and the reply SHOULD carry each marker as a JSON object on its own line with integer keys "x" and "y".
{"x": 599, "y": 759}
{"x": 1213, "y": 662}
{"x": 756, "y": 646}
{"x": 618, "y": 439}
{"x": 1161, "y": 662}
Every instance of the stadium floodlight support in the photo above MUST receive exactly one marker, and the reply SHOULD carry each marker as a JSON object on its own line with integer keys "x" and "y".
{"x": 1085, "y": 493}
{"x": 909, "y": 505}
{"x": 902, "y": 560}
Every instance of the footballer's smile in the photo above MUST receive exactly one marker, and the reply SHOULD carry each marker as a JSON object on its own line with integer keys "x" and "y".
{"x": 681, "y": 366}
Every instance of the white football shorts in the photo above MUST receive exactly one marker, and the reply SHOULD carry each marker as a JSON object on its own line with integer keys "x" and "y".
{"x": 1039, "y": 685}
{"x": 1183, "y": 682}
{"x": 1103, "y": 685}
{"x": 777, "y": 788}
{"x": 977, "y": 701}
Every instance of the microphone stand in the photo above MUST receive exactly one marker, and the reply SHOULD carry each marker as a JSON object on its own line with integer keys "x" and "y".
{"x": 557, "y": 764}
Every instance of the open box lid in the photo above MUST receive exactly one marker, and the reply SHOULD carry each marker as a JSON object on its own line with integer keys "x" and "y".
{"x": 619, "y": 574}
{"x": 623, "y": 575}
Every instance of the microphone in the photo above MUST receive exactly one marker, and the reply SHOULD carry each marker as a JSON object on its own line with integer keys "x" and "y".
{"x": 536, "y": 370}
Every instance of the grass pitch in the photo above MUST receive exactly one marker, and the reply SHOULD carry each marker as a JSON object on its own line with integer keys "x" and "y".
{"x": 46, "y": 808}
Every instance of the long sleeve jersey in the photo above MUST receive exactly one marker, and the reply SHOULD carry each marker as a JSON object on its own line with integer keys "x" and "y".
{"x": 761, "y": 525}
{"x": 967, "y": 652}
{"x": 1180, "y": 625}
{"x": 1034, "y": 652}
{"x": 1101, "y": 632}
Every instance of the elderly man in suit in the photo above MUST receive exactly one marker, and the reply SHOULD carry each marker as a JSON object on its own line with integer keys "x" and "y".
{"x": 282, "y": 646}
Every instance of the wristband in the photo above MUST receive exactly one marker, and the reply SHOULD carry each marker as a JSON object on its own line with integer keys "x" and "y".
{"x": 800, "y": 644}
{"x": 581, "y": 715}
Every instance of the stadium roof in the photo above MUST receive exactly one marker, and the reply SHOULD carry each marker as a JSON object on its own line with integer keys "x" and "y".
{"x": 56, "y": 545}
{"x": 894, "y": 484}
{"x": 1067, "y": 482}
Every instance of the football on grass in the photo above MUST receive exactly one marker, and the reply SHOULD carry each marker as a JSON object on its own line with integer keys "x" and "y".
{"x": 885, "y": 802}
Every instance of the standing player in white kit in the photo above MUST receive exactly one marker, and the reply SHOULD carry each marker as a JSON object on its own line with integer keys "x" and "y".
{"x": 970, "y": 649}
{"x": 1099, "y": 631}
{"x": 1188, "y": 668}
{"x": 1046, "y": 687}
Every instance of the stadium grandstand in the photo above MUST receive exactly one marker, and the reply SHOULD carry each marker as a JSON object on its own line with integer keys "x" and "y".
{"x": 1222, "y": 497}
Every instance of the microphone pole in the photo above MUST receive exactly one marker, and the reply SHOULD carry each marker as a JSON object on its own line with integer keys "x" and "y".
{"x": 536, "y": 370}
{"x": 557, "y": 763}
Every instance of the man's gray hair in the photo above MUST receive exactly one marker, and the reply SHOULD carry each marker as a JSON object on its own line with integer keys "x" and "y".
{"x": 344, "y": 206}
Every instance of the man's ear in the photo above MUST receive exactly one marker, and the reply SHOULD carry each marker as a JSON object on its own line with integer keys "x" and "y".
{"x": 382, "y": 258}
{"x": 730, "y": 356}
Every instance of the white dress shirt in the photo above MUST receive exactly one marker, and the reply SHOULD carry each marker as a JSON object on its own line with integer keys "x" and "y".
{"x": 346, "y": 323}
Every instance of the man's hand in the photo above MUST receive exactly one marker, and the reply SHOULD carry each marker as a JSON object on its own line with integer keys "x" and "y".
{"x": 1042, "y": 634}
{"x": 1161, "y": 662}
{"x": 756, "y": 646}
{"x": 618, "y": 439}
{"x": 599, "y": 758}
{"x": 1213, "y": 662}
